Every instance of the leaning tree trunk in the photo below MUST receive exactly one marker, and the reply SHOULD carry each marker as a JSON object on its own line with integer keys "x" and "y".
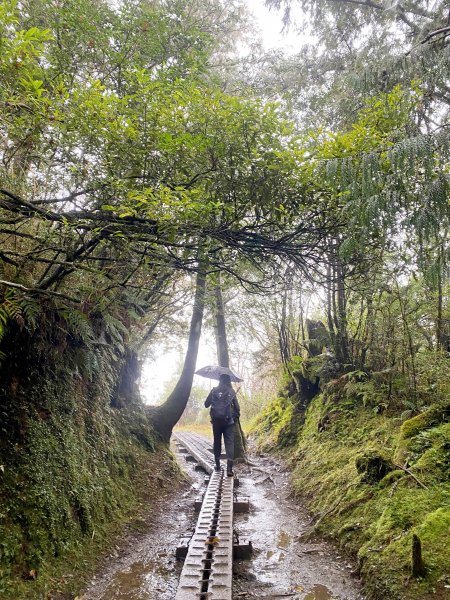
{"x": 223, "y": 357}
{"x": 166, "y": 416}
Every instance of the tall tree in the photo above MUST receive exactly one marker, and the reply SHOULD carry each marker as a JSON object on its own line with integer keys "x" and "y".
{"x": 166, "y": 416}
{"x": 223, "y": 356}
{"x": 220, "y": 329}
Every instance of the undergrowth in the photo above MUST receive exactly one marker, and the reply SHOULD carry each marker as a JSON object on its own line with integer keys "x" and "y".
{"x": 72, "y": 467}
{"x": 372, "y": 479}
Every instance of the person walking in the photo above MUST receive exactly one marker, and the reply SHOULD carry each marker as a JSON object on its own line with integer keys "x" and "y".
{"x": 225, "y": 411}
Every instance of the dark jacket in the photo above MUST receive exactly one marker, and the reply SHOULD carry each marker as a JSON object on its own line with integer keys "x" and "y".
{"x": 235, "y": 408}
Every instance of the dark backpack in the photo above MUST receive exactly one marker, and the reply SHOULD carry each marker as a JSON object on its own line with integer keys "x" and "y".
{"x": 221, "y": 402}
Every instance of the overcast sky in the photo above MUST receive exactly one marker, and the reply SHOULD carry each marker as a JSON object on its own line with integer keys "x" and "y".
{"x": 270, "y": 23}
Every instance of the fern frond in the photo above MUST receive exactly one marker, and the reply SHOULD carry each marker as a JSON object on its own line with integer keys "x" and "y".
{"x": 15, "y": 312}
{"x": 114, "y": 327}
{"x": 78, "y": 325}
{"x": 10, "y": 310}
{"x": 30, "y": 310}
{"x": 87, "y": 363}
{"x": 4, "y": 316}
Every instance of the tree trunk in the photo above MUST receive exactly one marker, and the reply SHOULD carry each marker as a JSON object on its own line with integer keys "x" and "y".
{"x": 330, "y": 292}
{"x": 240, "y": 444}
{"x": 283, "y": 337}
{"x": 127, "y": 391}
{"x": 417, "y": 564}
{"x": 223, "y": 356}
{"x": 342, "y": 335}
{"x": 166, "y": 416}
{"x": 442, "y": 329}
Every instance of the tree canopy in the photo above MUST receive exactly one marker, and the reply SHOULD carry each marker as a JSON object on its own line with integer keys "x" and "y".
{"x": 123, "y": 160}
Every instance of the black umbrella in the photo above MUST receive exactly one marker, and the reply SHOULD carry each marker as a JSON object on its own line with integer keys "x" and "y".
{"x": 214, "y": 372}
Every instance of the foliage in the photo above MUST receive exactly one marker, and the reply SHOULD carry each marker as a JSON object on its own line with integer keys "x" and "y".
{"x": 69, "y": 461}
{"x": 125, "y": 167}
{"x": 343, "y": 459}
{"x": 365, "y": 48}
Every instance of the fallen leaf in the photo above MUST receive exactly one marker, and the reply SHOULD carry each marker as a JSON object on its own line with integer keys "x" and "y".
{"x": 212, "y": 540}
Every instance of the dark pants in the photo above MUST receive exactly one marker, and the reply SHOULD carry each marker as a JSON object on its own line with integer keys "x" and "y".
{"x": 227, "y": 431}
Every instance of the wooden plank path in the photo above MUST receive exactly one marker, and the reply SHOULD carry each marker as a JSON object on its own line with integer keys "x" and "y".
{"x": 207, "y": 569}
{"x": 198, "y": 447}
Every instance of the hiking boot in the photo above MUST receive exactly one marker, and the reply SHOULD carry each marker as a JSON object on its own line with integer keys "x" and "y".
{"x": 217, "y": 467}
{"x": 230, "y": 468}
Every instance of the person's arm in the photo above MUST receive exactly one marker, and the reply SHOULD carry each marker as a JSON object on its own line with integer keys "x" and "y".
{"x": 208, "y": 400}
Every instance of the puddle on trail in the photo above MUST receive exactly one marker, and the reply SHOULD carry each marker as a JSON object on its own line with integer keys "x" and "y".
{"x": 284, "y": 539}
{"x": 319, "y": 592}
{"x": 144, "y": 567}
{"x": 282, "y": 564}
{"x": 141, "y": 580}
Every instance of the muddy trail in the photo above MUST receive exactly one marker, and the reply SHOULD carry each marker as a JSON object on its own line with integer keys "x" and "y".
{"x": 143, "y": 566}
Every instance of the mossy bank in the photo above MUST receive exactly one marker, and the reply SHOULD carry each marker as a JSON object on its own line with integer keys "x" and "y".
{"x": 374, "y": 475}
{"x": 74, "y": 462}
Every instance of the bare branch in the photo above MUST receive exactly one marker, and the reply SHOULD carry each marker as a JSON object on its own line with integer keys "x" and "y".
{"x": 23, "y": 288}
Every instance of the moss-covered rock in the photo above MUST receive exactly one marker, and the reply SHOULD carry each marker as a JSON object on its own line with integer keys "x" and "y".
{"x": 432, "y": 416}
{"x": 278, "y": 425}
{"x": 428, "y": 430}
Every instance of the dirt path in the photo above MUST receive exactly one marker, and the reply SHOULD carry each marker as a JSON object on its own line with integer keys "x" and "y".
{"x": 143, "y": 566}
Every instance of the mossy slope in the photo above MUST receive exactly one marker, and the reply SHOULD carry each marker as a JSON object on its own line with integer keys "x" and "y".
{"x": 71, "y": 466}
{"x": 346, "y": 463}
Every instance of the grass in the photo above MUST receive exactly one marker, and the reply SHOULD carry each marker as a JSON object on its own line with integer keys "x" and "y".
{"x": 373, "y": 514}
{"x": 200, "y": 428}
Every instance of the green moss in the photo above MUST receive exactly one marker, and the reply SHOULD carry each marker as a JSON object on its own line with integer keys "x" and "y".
{"x": 71, "y": 468}
{"x": 429, "y": 418}
{"x": 344, "y": 454}
{"x": 428, "y": 449}
{"x": 277, "y": 425}
{"x": 392, "y": 477}
{"x": 373, "y": 465}
{"x": 434, "y": 535}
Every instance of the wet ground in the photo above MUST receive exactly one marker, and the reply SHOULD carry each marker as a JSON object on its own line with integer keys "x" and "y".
{"x": 283, "y": 564}
{"x": 143, "y": 566}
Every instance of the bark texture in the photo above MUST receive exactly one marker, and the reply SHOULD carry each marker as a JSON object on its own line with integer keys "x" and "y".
{"x": 223, "y": 356}
{"x": 166, "y": 416}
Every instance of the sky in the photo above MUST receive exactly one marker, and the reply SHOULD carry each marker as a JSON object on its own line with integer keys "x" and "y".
{"x": 270, "y": 22}
{"x": 157, "y": 373}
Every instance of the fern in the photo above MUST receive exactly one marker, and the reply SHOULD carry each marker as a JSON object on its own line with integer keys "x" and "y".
{"x": 10, "y": 310}
{"x": 30, "y": 310}
{"x": 4, "y": 316}
{"x": 87, "y": 363}
{"x": 14, "y": 311}
{"x": 3, "y": 323}
{"x": 78, "y": 325}
{"x": 116, "y": 330}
